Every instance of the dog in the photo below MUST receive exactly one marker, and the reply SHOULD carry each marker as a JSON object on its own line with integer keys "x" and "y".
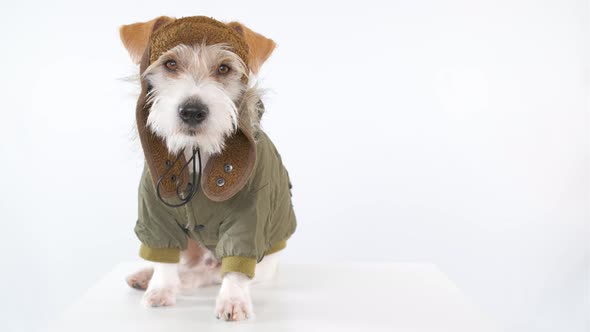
{"x": 197, "y": 95}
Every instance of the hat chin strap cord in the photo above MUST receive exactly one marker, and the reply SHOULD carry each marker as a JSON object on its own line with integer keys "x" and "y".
{"x": 191, "y": 188}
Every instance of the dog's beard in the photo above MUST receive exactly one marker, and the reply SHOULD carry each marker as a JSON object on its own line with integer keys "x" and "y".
{"x": 208, "y": 136}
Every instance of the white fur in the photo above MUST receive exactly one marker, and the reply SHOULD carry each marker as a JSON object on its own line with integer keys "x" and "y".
{"x": 163, "y": 286}
{"x": 195, "y": 78}
{"x": 205, "y": 273}
{"x": 234, "y": 301}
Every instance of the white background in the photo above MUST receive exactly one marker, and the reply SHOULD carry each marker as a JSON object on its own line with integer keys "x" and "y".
{"x": 453, "y": 132}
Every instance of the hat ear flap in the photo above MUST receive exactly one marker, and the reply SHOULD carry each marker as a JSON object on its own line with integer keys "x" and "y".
{"x": 136, "y": 36}
{"x": 259, "y": 47}
{"x": 227, "y": 173}
{"x": 166, "y": 169}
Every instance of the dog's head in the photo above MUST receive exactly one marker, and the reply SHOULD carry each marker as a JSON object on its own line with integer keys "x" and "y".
{"x": 195, "y": 79}
{"x": 194, "y": 95}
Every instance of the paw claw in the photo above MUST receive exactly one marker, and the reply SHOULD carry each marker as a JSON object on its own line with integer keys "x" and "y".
{"x": 233, "y": 310}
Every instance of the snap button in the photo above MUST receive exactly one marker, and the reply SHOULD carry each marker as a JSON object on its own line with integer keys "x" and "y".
{"x": 220, "y": 182}
{"x": 228, "y": 168}
{"x": 199, "y": 227}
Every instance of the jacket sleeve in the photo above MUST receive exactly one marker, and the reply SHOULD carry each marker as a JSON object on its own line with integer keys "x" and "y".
{"x": 242, "y": 242}
{"x": 162, "y": 237}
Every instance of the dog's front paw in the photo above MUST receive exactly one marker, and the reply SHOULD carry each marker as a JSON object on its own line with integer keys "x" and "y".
{"x": 159, "y": 297}
{"x": 233, "y": 302}
{"x": 233, "y": 309}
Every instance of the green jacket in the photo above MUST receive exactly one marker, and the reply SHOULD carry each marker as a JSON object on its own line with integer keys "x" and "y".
{"x": 257, "y": 221}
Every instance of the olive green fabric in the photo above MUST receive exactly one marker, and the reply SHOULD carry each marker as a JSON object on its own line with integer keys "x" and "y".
{"x": 239, "y": 231}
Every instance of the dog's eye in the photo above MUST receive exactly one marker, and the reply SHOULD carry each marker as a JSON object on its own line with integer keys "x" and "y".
{"x": 223, "y": 69}
{"x": 171, "y": 64}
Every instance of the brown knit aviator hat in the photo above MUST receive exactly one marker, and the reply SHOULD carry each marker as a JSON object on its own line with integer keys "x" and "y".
{"x": 225, "y": 174}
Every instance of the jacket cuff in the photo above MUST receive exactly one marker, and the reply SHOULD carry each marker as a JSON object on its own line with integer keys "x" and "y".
{"x": 160, "y": 255}
{"x": 276, "y": 248}
{"x": 245, "y": 265}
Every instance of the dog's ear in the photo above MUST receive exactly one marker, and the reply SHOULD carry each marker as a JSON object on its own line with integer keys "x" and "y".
{"x": 260, "y": 47}
{"x": 135, "y": 36}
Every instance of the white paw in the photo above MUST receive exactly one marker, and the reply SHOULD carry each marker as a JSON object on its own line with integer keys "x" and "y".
{"x": 234, "y": 302}
{"x": 233, "y": 309}
{"x": 159, "y": 297}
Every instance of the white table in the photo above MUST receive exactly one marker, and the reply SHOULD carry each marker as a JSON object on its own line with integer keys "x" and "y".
{"x": 346, "y": 297}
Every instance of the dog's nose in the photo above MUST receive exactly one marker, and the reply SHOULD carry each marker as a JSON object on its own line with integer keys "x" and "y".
{"x": 193, "y": 113}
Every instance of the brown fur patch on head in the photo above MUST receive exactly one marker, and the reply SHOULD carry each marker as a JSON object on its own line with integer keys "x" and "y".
{"x": 259, "y": 47}
{"x": 135, "y": 37}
